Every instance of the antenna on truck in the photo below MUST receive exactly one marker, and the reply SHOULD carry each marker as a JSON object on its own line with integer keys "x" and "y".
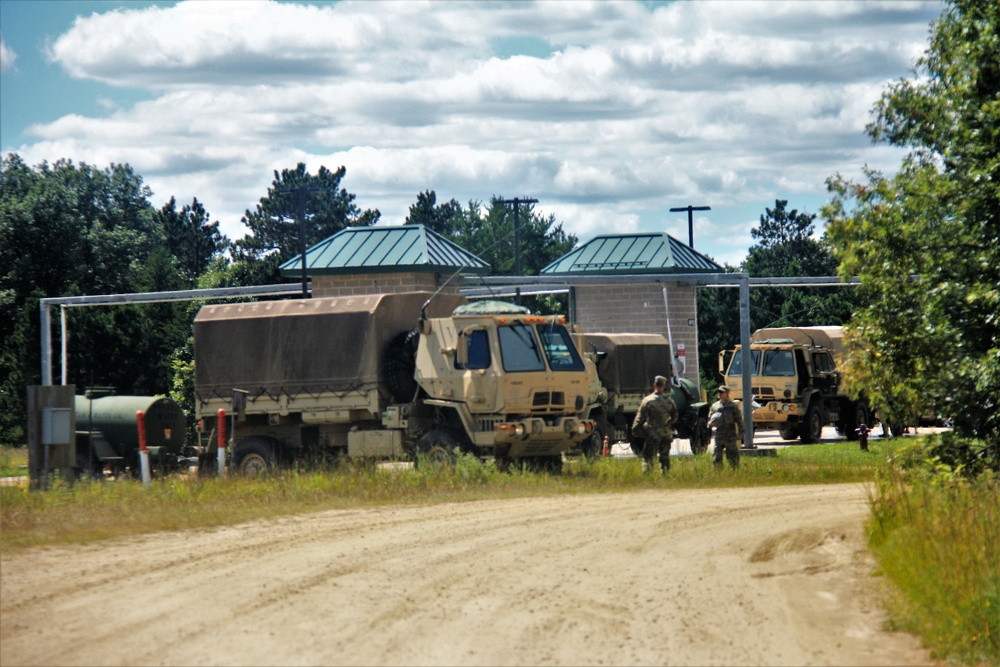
{"x": 423, "y": 308}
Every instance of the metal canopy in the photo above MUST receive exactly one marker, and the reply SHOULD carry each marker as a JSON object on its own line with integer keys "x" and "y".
{"x": 383, "y": 250}
{"x": 632, "y": 254}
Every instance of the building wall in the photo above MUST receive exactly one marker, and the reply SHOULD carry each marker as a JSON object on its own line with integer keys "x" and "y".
{"x": 640, "y": 308}
{"x": 379, "y": 283}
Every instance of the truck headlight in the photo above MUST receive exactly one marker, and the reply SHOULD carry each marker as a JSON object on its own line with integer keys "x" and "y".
{"x": 518, "y": 430}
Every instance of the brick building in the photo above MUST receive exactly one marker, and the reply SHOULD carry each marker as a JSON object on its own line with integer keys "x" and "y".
{"x": 639, "y": 290}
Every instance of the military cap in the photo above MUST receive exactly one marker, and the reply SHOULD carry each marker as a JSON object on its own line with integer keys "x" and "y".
{"x": 659, "y": 379}
{"x": 722, "y": 388}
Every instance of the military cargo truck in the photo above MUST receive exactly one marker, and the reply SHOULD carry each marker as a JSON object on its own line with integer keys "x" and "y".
{"x": 388, "y": 375}
{"x": 624, "y": 367}
{"x": 796, "y": 382}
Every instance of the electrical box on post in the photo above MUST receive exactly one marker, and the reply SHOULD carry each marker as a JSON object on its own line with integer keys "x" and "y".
{"x": 57, "y": 426}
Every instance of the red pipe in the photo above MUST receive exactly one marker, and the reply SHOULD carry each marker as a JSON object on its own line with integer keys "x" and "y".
{"x": 222, "y": 428}
{"x": 140, "y": 419}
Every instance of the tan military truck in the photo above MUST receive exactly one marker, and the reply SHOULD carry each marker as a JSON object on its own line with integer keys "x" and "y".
{"x": 624, "y": 367}
{"x": 387, "y": 376}
{"x": 796, "y": 382}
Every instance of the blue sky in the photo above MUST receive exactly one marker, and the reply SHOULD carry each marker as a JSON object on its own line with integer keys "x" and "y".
{"x": 608, "y": 113}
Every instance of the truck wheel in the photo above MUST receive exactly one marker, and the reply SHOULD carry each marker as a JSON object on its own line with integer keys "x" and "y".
{"x": 253, "y": 458}
{"x": 594, "y": 445}
{"x": 859, "y": 416}
{"x": 812, "y": 427}
{"x": 400, "y": 363}
{"x": 437, "y": 448}
{"x": 788, "y": 432}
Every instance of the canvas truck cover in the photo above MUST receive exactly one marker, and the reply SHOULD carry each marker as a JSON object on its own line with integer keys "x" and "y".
{"x": 633, "y": 360}
{"x": 831, "y": 338}
{"x": 303, "y": 345}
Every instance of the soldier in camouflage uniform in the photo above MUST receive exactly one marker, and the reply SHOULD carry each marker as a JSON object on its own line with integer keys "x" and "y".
{"x": 657, "y": 413}
{"x": 728, "y": 424}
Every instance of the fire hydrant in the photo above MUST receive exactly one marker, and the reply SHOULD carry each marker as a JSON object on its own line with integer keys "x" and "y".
{"x": 862, "y": 430}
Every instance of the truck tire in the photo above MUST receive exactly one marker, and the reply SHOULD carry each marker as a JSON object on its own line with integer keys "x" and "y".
{"x": 594, "y": 445}
{"x": 812, "y": 426}
{"x": 399, "y": 364}
{"x": 858, "y": 416}
{"x": 788, "y": 432}
{"x": 437, "y": 448}
{"x": 253, "y": 458}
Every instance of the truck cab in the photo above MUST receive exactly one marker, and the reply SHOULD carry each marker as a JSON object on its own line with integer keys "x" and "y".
{"x": 502, "y": 382}
{"x": 796, "y": 382}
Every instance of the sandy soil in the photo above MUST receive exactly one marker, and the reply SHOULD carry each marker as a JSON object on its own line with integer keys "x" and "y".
{"x": 762, "y": 576}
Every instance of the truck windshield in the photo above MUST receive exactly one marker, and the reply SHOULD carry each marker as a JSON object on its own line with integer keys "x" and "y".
{"x": 519, "y": 349}
{"x": 779, "y": 363}
{"x": 736, "y": 368}
{"x": 559, "y": 348}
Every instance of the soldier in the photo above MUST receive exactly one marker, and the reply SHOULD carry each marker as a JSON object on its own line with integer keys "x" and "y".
{"x": 657, "y": 413}
{"x": 728, "y": 424}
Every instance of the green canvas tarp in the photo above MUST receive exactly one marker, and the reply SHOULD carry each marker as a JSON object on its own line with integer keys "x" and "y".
{"x": 303, "y": 345}
{"x": 632, "y": 362}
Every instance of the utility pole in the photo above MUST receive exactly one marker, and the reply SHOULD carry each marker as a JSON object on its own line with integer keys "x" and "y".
{"x": 300, "y": 193}
{"x": 517, "y": 201}
{"x": 690, "y": 210}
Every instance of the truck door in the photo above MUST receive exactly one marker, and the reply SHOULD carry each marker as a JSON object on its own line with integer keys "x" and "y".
{"x": 473, "y": 355}
{"x": 825, "y": 379}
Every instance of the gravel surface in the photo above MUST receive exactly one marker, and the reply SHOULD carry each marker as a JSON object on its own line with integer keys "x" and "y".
{"x": 759, "y": 576}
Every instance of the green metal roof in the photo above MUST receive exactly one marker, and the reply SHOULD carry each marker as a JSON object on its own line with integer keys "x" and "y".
{"x": 632, "y": 253}
{"x": 384, "y": 250}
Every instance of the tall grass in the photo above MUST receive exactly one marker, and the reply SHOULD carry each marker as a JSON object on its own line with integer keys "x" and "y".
{"x": 89, "y": 510}
{"x": 936, "y": 537}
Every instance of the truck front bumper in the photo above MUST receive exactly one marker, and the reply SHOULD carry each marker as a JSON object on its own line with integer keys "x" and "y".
{"x": 533, "y": 436}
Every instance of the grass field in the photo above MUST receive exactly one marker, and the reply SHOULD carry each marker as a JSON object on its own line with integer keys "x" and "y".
{"x": 120, "y": 508}
{"x": 935, "y": 537}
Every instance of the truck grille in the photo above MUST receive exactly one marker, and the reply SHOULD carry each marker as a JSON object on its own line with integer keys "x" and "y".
{"x": 489, "y": 425}
{"x": 545, "y": 401}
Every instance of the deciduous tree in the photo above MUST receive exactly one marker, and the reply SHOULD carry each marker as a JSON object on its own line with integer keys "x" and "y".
{"x": 925, "y": 240}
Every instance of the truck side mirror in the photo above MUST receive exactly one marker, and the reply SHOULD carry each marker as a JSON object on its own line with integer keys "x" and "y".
{"x": 724, "y": 357}
{"x": 462, "y": 350}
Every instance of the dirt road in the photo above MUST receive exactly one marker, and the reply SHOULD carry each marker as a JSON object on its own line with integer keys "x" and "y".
{"x": 763, "y": 576}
